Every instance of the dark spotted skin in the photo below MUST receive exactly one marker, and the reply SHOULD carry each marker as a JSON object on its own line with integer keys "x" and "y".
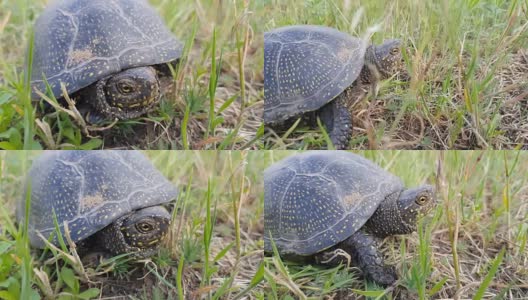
{"x": 337, "y": 118}
{"x": 381, "y": 62}
{"x": 125, "y": 95}
{"x": 398, "y": 214}
{"x": 139, "y": 233}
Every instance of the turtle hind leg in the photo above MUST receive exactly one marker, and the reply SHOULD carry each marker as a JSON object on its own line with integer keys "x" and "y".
{"x": 361, "y": 250}
{"x": 338, "y": 121}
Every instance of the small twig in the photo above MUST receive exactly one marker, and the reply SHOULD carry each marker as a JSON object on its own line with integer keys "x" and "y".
{"x": 73, "y": 258}
{"x": 50, "y": 143}
{"x": 74, "y": 113}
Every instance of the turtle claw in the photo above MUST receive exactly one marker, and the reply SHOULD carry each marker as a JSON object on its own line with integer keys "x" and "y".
{"x": 94, "y": 118}
{"x": 93, "y": 259}
{"x": 384, "y": 276}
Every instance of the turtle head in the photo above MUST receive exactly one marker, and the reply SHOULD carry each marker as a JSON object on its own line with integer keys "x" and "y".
{"x": 128, "y": 94}
{"x": 387, "y": 57}
{"x": 145, "y": 229}
{"x": 401, "y": 210}
{"x": 413, "y": 204}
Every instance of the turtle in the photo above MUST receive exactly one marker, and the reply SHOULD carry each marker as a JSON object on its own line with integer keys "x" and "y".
{"x": 334, "y": 207}
{"x": 113, "y": 201}
{"x": 316, "y": 70}
{"x": 111, "y": 55}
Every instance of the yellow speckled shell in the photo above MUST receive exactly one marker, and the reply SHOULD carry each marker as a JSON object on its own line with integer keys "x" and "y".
{"x": 306, "y": 67}
{"x": 89, "y": 190}
{"x": 79, "y": 42}
{"x": 317, "y": 199}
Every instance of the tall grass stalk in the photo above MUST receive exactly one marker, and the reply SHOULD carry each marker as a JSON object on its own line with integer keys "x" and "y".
{"x": 179, "y": 78}
{"x": 23, "y": 250}
{"x": 25, "y": 95}
{"x": 213, "y": 81}
{"x": 210, "y": 218}
{"x": 242, "y": 45}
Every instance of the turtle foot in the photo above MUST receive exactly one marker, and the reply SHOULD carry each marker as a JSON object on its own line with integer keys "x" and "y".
{"x": 338, "y": 122}
{"x": 365, "y": 250}
{"x": 382, "y": 275}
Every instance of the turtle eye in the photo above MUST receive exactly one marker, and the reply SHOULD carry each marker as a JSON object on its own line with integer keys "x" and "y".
{"x": 421, "y": 200}
{"x": 144, "y": 227}
{"x": 125, "y": 88}
{"x": 395, "y": 51}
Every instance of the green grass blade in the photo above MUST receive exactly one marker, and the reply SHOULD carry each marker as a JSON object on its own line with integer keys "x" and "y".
{"x": 259, "y": 276}
{"x": 489, "y": 277}
{"x": 213, "y": 81}
{"x": 29, "y": 116}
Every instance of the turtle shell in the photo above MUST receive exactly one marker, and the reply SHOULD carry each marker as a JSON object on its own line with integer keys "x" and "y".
{"x": 306, "y": 67}
{"x": 317, "y": 199}
{"x": 89, "y": 190}
{"x": 79, "y": 42}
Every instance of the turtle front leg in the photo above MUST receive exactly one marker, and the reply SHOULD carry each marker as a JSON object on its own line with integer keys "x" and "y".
{"x": 89, "y": 103}
{"x": 338, "y": 121}
{"x": 93, "y": 117}
{"x": 363, "y": 251}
